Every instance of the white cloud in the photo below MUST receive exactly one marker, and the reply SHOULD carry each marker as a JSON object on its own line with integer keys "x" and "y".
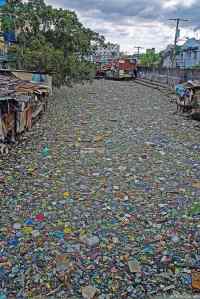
{"x": 175, "y": 3}
{"x": 135, "y": 22}
{"x": 135, "y": 33}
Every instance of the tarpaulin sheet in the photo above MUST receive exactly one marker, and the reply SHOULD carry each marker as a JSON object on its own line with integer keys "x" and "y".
{"x": 180, "y": 90}
{"x": 2, "y": 2}
{"x": 38, "y": 78}
{"x": 9, "y": 37}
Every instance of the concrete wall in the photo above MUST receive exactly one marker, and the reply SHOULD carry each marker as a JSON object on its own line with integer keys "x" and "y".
{"x": 167, "y": 62}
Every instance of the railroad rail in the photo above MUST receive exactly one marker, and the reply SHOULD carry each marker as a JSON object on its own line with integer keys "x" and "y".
{"x": 153, "y": 84}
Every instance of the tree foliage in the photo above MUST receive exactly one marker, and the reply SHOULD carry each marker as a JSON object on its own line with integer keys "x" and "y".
{"x": 49, "y": 39}
{"x": 150, "y": 59}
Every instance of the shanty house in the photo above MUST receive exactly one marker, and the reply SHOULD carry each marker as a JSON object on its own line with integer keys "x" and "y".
{"x": 21, "y": 102}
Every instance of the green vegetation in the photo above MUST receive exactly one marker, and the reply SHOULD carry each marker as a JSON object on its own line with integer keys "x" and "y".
{"x": 197, "y": 66}
{"x": 150, "y": 59}
{"x": 50, "y": 40}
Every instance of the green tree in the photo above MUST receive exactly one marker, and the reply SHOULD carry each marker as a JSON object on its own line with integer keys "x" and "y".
{"x": 49, "y": 39}
{"x": 150, "y": 59}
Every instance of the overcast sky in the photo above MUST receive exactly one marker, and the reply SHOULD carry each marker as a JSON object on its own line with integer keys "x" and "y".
{"x": 136, "y": 22}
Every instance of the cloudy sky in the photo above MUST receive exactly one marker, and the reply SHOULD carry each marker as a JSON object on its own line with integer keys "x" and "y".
{"x": 137, "y": 22}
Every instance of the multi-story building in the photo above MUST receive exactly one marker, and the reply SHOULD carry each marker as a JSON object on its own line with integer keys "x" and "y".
{"x": 106, "y": 54}
{"x": 151, "y": 51}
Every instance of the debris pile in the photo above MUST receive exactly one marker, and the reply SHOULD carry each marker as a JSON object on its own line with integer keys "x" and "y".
{"x": 189, "y": 98}
{"x": 103, "y": 201}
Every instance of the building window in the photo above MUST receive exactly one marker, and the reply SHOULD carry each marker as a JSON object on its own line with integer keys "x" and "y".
{"x": 195, "y": 55}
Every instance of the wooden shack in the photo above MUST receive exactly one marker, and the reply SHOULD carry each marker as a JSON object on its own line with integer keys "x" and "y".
{"x": 21, "y": 102}
{"x": 7, "y": 120}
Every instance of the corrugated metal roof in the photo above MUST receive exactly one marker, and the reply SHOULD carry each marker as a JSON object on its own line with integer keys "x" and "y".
{"x": 13, "y": 88}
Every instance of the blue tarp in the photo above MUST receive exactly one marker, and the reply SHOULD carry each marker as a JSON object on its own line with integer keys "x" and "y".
{"x": 2, "y": 2}
{"x": 38, "y": 78}
{"x": 180, "y": 90}
{"x": 9, "y": 37}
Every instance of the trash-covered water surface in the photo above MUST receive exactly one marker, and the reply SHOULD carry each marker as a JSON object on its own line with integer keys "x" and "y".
{"x": 101, "y": 199}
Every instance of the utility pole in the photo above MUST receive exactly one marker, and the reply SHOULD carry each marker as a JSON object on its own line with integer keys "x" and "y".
{"x": 177, "y": 20}
{"x": 138, "y": 51}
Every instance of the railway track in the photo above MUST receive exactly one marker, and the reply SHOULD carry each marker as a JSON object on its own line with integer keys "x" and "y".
{"x": 164, "y": 88}
{"x": 153, "y": 84}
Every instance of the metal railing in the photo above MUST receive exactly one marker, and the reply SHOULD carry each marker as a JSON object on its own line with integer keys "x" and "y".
{"x": 171, "y": 77}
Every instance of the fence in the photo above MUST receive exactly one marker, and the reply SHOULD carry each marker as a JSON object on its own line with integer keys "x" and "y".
{"x": 170, "y": 77}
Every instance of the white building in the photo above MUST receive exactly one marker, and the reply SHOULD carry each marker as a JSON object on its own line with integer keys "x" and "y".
{"x": 167, "y": 56}
{"x": 107, "y": 53}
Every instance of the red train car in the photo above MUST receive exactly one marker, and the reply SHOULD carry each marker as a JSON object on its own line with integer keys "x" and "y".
{"x": 122, "y": 68}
